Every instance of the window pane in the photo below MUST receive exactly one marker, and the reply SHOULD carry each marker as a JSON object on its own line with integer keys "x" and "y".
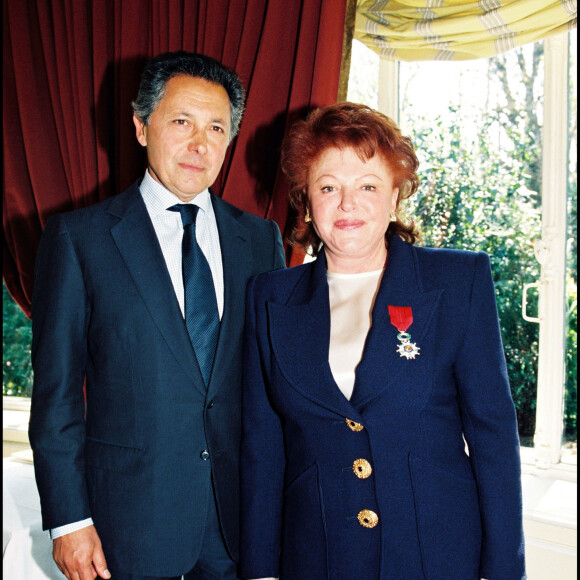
{"x": 571, "y": 404}
{"x": 477, "y": 128}
{"x": 16, "y": 340}
{"x": 363, "y": 78}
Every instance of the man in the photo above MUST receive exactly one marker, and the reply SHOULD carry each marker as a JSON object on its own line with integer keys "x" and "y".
{"x": 141, "y": 479}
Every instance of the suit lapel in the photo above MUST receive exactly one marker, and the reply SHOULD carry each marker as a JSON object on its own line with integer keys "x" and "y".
{"x": 236, "y": 251}
{"x": 300, "y": 333}
{"x": 382, "y": 367}
{"x": 137, "y": 242}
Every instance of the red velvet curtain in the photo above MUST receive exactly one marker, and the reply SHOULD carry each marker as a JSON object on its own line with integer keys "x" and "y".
{"x": 72, "y": 67}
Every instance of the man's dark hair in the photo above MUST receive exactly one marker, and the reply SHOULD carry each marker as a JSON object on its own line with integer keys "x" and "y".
{"x": 165, "y": 66}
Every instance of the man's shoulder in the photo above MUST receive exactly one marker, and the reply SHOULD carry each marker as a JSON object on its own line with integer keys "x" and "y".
{"x": 259, "y": 229}
{"x": 243, "y": 216}
{"x": 128, "y": 196}
{"x": 115, "y": 205}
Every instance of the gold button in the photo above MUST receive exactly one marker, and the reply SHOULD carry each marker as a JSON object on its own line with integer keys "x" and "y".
{"x": 367, "y": 518}
{"x": 353, "y": 425}
{"x": 362, "y": 468}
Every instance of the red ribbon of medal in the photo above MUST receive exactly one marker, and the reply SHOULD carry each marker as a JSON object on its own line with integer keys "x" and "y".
{"x": 401, "y": 319}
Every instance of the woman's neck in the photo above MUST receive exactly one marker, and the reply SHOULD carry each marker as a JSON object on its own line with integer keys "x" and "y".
{"x": 355, "y": 265}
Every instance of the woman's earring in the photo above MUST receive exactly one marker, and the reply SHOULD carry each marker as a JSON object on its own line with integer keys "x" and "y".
{"x": 307, "y": 218}
{"x": 393, "y": 216}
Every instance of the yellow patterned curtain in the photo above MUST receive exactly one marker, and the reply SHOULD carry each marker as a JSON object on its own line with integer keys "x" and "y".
{"x": 457, "y": 29}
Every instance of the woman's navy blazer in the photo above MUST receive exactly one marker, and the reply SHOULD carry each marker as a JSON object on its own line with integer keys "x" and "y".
{"x": 444, "y": 512}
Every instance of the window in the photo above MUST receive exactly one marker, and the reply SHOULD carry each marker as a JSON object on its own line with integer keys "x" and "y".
{"x": 571, "y": 400}
{"x": 493, "y": 138}
{"x": 16, "y": 339}
{"x": 16, "y": 376}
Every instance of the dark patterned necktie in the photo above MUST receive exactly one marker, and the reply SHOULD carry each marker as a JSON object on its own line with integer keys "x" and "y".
{"x": 201, "y": 312}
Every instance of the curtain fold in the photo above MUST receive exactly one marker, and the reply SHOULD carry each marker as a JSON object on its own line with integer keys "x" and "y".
{"x": 350, "y": 17}
{"x": 72, "y": 68}
{"x": 413, "y": 30}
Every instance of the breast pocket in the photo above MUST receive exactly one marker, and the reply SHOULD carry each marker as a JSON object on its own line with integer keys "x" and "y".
{"x": 448, "y": 521}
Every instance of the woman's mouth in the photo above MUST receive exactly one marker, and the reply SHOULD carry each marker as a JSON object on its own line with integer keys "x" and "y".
{"x": 348, "y": 224}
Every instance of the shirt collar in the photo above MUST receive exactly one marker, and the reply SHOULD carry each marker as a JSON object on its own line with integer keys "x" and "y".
{"x": 158, "y": 198}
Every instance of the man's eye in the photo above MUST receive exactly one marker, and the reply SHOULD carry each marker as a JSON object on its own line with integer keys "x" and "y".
{"x": 217, "y": 128}
{"x": 181, "y": 121}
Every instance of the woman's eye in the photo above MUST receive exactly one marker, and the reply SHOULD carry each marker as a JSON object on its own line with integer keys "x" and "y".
{"x": 369, "y": 188}
{"x": 327, "y": 188}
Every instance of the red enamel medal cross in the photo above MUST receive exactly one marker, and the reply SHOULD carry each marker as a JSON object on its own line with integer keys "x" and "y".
{"x": 401, "y": 319}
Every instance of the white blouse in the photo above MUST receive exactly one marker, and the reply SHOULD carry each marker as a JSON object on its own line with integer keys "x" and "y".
{"x": 351, "y": 297}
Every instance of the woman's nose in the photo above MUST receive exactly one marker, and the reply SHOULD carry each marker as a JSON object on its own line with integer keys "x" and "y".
{"x": 348, "y": 199}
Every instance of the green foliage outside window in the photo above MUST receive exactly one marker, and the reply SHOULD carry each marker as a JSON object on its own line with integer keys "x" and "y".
{"x": 474, "y": 199}
{"x": 571, "y": 400}
{"x": 16, "y": 339}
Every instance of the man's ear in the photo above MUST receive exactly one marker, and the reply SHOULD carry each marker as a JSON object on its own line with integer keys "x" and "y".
{"x": 140, "y": 131}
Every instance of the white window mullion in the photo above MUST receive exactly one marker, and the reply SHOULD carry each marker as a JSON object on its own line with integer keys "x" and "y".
{"x": 551, "y": 251}
{"x": 389, "y": 88}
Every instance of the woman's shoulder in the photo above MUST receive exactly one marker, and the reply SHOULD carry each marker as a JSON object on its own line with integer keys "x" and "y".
{"x": 437, "y": 256}
{"x": 450, "y": 266}
{"x": 276, "y": 281}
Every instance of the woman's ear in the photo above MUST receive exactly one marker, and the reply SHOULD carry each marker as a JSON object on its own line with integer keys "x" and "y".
{"x": 395, "y": 198}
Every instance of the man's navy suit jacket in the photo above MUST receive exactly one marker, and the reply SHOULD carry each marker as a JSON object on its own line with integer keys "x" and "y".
{"x": 442, "y": 514}
{"x": 104, "y": 311}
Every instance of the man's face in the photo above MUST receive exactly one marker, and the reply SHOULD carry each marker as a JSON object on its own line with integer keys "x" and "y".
{"x": 187, "y": 135}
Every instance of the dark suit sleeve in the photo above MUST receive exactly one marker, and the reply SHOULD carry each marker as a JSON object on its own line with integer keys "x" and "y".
{"x": 490, "y": 428}
{"x": 262, "y": 456}
{"x": 60, "y": 313}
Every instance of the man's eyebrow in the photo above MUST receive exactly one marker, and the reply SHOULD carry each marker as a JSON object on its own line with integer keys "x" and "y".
{"x": 190, "y": 115}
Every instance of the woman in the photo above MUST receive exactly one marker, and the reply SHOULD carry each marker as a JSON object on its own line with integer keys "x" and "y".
{"x": 367, "y": 372}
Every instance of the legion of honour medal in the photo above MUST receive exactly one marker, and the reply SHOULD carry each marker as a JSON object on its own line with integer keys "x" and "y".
{"x": 401, "y": 319}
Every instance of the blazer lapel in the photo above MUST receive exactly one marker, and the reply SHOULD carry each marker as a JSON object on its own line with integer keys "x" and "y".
{"x": 382, "y": 367}
{"x": 236, "y": 251}
{"x": 300, "y": 334}
{"x": 137, "y": 242}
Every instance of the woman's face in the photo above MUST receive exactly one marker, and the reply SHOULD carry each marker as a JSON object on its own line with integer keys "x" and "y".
{"x": 350, "y": 201}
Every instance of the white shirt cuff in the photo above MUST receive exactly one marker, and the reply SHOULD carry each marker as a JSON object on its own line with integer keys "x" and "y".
{"x": 63, "y": 530}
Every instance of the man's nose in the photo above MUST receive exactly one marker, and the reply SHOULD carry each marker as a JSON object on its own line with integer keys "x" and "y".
{"x": 198, "y": 141}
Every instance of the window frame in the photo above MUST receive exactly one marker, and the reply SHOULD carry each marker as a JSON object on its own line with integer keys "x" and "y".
{"x": 547, "y": 456}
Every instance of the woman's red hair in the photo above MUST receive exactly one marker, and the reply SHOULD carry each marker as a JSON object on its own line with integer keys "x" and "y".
{"x": 348, "y": 126}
